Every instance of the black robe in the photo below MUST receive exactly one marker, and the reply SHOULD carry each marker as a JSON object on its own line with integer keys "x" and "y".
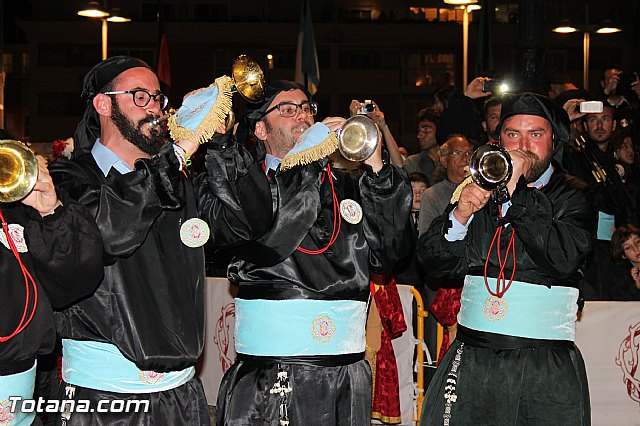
{"x": 272, "y": 268}
{"x": 64, "y": 257}
{"x": 150, "y": 303}
{"x": 500, "y": 379}
{"x": 552, "y": 236}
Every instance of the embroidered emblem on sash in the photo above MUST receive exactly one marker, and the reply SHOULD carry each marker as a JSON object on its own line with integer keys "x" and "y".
{"x": 151, "y": 377}
{"x": 350, "y": 211}
{"x": 17, "y": 235}
{"x": 495, "y": 308}
{"x": 322, "y": 329}
{"x": 194, "y": 232}
{"x": 6, "y": 416}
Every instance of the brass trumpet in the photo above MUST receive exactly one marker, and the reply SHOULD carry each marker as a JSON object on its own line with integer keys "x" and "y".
{"x": 358, "y": 138}
{"x": 491, "y": 168}
{"x": 248, "y": 81}
{"x": 18, "y": 170}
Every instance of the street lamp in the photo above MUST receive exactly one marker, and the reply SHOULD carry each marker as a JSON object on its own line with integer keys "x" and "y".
{"x": 565, "y": 27}
{"x": 95, "y": 10}
{"x": 468, "y": 6}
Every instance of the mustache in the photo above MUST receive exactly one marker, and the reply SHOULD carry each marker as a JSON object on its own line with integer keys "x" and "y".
{"x": 150, "y": 118}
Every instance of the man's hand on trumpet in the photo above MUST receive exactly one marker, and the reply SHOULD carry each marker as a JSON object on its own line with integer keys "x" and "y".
{"x": 43, "y": 196}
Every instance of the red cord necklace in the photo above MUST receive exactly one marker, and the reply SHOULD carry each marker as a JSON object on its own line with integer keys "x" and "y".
{"x": 28, "y": 282}
{"x": 495, "y": 307}
{"x": 336, "y": 214}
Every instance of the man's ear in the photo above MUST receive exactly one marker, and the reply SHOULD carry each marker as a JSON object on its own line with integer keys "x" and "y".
{"x": 615, "y": 123}
{"x": 102, "y": 104}
{"x": 442, "y": 160}
{"x": 260, "y": 130}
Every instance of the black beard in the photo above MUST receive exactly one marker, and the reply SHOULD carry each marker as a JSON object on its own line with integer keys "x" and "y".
{"x": 133, "y": 133}
{"x": 539, "y": 167}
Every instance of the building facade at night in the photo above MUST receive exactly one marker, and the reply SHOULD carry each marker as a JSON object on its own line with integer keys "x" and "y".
{"x": 394, "y": 52}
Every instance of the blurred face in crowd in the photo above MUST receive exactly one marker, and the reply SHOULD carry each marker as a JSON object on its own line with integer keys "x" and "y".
{"x": 600, "y": 126}
{"x": 454, "y": 157}
{"x": 625, "y": 152}
{"x": 280, "y": 134}
{"x": 426, "y": 135}
{"x": 631, "y": 249}
{"x": 492, "y": 118}
{"x": 403, "y": 152}
{"x": 608, "y": 75}
{"x": 531, "y": 134}
{"x": 418, "y": 189}
{"x": 131, "y": 120}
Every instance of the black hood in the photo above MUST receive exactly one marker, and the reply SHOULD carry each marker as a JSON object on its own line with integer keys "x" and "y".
{"x": 541, "y": 106}
{"x": 97, "y": 78}
{"x": 251, "y": 116}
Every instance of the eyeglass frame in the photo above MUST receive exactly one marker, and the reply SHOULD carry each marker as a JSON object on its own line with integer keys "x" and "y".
{"x": 456, "y": 153}
{"x": 313, "y": 108}
{"x": 133, "y": 95}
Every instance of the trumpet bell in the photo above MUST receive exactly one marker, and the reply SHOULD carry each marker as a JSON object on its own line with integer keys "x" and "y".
{"x": 248, "y": 78}
{"x": 491, "y": 167}
{"x": 358, "y": 138}
{"x": 18, "y": 170}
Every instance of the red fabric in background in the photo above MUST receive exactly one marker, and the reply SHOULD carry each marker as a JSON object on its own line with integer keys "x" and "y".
{"x": 386, "y": 398}
{"x": 445, "y": 308}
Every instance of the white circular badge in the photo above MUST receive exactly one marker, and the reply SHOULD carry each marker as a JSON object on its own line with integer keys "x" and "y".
{"x": 17, "y": 235}
{"x": 194, "y": 232}
{"x": 350, "y": 211}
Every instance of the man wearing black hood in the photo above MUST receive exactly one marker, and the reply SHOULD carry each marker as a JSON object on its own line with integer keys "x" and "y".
{"x": 138, "y": 337}
{"x": 514, "y": 361}
{"x": 303, "y": 290}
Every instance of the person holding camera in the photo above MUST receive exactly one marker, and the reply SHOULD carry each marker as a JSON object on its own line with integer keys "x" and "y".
{"x": 592, "y": 160}
{"x": 622, "y": 91}
{"x": 372, "y": 110}
{"x": 514, "y": 361}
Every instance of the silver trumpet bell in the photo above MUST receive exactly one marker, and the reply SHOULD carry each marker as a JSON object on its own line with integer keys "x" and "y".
{"x": 358, "y": 138}
{"x": 491, "y": 168}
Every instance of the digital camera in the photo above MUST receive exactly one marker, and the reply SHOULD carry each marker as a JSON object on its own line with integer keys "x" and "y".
{"x": 623, "y": 87}
{"x": 367, "y": 107}
{"x": 494, "y": 86}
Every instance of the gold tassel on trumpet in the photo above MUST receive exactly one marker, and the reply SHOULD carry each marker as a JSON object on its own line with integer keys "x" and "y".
{"x": 212, "y": 121}
{"x": 325, "y": 148}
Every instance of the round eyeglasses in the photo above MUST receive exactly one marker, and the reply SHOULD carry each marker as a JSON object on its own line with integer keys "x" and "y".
{"x": 290, "y": 109}
{"x": 141, "y": 97}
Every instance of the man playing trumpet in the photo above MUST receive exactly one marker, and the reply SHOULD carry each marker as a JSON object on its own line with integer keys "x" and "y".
{"x": 140, "y": 334}
{"x": 304, "y": 285}
{"x": 514, "y": 361}
{"x": 50, "y": 256}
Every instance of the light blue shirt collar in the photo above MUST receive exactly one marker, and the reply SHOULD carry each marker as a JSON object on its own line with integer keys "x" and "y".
{"x": 106, "y": 159}
{"x": 544, "y": 179}
{"x": 271, "y": 163}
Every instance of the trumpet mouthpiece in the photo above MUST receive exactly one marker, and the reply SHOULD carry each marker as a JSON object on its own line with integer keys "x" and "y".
{"x": 159, "y": 120}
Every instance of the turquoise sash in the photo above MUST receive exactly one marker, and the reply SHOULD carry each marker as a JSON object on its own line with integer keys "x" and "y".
{"x": 300, "y": 327}
{"x": 527, "y": 310}
{"x": 19, "y": 385}
{"x": 101, "y": 366}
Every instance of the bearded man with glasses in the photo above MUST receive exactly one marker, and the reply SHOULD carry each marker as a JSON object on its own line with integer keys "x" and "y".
{"x": 139, "y": 335}
{"x": 304, "y": 285}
